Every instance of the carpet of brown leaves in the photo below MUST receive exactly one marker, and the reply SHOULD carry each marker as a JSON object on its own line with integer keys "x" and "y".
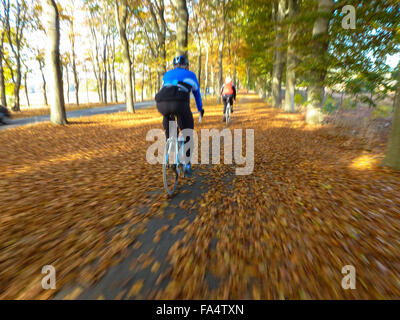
{"x": 78, "y": 196}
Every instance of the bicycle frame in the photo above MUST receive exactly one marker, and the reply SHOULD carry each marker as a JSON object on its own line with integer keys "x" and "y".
{"x": 178, "y": 144}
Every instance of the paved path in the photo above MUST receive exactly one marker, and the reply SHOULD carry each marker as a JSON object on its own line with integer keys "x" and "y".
{"x": 118, "y": 280}
{"x": 11, "y": 123}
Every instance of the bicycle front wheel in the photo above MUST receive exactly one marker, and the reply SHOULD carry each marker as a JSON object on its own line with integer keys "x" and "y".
{"x": 170, "y": 173}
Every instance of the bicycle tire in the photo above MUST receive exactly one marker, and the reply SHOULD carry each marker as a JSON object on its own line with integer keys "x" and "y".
{"x": 228, "y": 114}
{"x": 170, "y": 189}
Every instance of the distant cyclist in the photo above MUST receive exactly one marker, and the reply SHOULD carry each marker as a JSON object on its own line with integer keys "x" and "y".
{"x": 173, "y": 100}
{"x": 228, "y": 93}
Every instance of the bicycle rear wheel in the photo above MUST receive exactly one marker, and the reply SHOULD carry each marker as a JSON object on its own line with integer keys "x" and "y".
{"x": 170, "y": 173}
{"x": 228, "y": 114}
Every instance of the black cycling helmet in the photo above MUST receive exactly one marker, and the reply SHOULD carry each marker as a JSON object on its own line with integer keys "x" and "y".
{"x": 181, "y": 60}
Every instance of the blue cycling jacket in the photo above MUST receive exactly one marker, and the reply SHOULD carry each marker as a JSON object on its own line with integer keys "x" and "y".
{"x": 177, "y": 75}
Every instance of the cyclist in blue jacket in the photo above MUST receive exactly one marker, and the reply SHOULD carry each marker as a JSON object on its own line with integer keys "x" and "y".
{"x": 173, "y": 100}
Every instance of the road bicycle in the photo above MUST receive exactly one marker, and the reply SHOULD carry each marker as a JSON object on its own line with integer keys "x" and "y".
{"x": 174, "y": 149}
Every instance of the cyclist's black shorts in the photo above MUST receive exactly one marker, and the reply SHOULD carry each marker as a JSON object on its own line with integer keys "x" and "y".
{"x": 176, "y": 109}
{"x": 226, "y": 98}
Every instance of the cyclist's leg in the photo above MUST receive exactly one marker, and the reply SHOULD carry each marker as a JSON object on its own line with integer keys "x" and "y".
{"x": 231, "y": 102}
{"x": 225, "y": 102}
{"x": 166, "y": 108}
{"x": 166, "y": 120}
{"x": 185, "y": 121}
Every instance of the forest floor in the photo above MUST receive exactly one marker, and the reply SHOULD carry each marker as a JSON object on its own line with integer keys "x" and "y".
{"x": 83, "y": 199}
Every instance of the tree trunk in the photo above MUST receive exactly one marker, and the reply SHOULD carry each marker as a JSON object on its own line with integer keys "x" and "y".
{"x": 68, "y": 87}
{"x": 199, "y": 61}
{"x": 279, "y": 13}
{"x": 17, "y": 87}
{"x": 101, "y": 84}
{"x": 341, "y": 100}
{"x": 162, "y": 67}
{"x": 154, "y": 87}
{"x": 264, "y": 89}
{"x": 122, "y": 17}
{"x": 291, "y": 60}
{"x": 3, "y": 100}
{"x": 143, "y": 75}
{"x": 392, "y": 158}
{"x": 100, "y": 79}
{"x": 150, "y": 84}
{"x": 235, "y": 71}
{"x": 133, "y": 70}
{"x": 26, "y": 89}
{"x": 221, "y": 54}
{"x": 76, "y": 81}
{"x": 213, "y": 80}
{"x": 134, "y": 85}
{"x": 113, "y": 72}
{"x": 105, "y": 74}
{"x": 318, "y": 72}
{"x": 105, "y": 79}
{"x": 97, "y": 78}
{"x": 110, "y": 81}
{"x": 248, "y": 79}
{"x": 57, "y": 108}
{"x": 162, "y": 53}
{"x": 74, "y": 69}
{"x": 115, "y": 85}
{"x": 206, "y": 71}
{"x": 182, "y": 27}
{"x": 15, "y": 37}
{"x": 41, "y": 66}
{"x": 96, "y": 62}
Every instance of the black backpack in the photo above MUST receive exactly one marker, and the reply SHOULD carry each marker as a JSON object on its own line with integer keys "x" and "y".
{"x": 179, "y": 92}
